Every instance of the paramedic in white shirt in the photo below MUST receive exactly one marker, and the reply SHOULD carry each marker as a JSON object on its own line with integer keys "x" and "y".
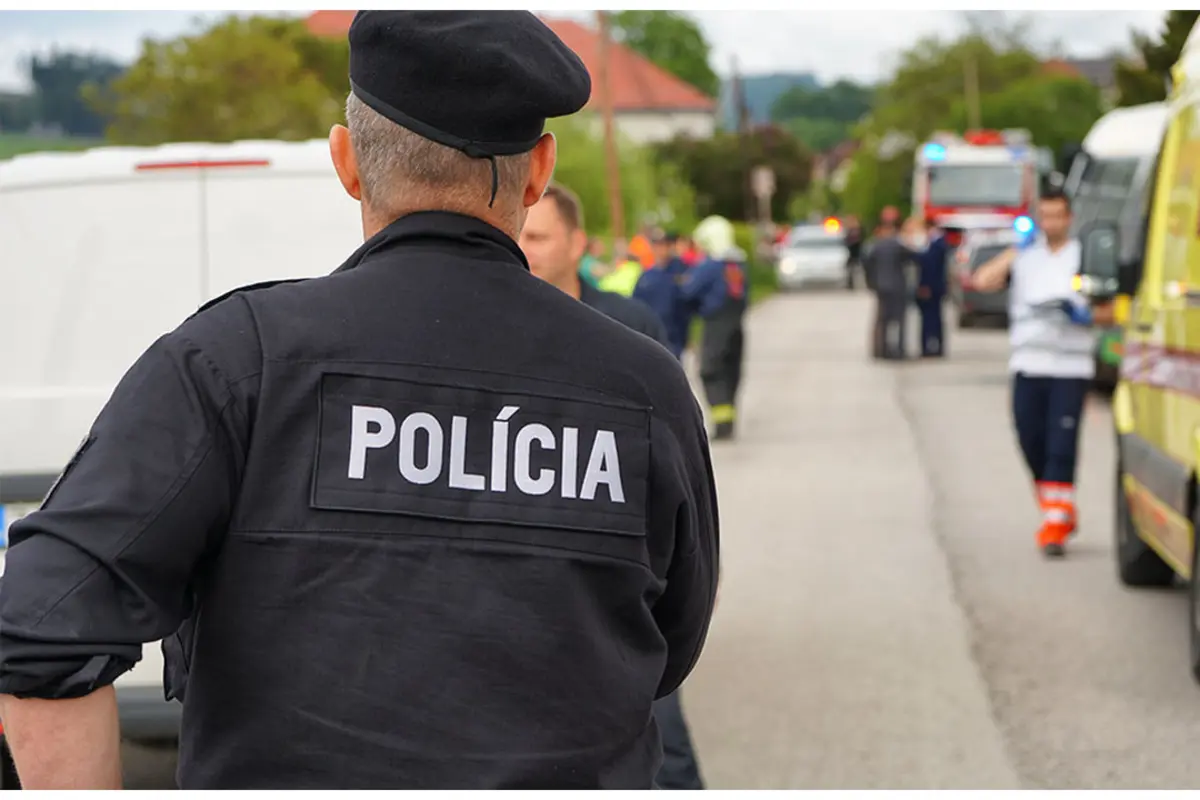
{"x": 1052, "y": 363}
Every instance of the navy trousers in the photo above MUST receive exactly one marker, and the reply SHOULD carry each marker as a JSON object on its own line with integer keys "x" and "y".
{"x": 933, "y": 342}
{"x": 1047, "y": 413}
{"x": 679, "y": 768}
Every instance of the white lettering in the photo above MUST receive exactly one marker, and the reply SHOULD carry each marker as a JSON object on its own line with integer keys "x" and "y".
{"x": 521, "y": 457}
{"x": 459, "y": 477}
{"x": 423, "y": 462}
{"x": 362, "y": 438}
{"x": 500, "y": 448}
{"x": 433, "y": 459}
{"x": 570, "y": 459}
{"x": 604, "y": 466}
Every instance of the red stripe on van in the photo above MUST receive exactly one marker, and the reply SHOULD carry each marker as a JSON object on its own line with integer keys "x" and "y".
{"x": 260, "y": 162}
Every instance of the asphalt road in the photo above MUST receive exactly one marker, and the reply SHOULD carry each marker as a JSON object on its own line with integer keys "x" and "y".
{"x": 885, "y": 620}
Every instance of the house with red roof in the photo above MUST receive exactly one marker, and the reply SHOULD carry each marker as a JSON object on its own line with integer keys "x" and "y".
{"x": 649, "y": 104}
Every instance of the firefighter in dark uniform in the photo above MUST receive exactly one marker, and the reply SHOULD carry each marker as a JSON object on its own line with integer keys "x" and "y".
{"x": 717, "y": 289}
{"x": 408, "y": 525}
{"x": 554, "y": 241}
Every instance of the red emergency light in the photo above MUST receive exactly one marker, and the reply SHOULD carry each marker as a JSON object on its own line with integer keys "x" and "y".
{"x": 983, "y": 138}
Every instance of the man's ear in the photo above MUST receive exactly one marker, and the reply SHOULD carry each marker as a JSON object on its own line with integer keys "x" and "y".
{"x": 344, "y": 163}
{"x": 578, "y": 244}
{"x": 541, "y": 168}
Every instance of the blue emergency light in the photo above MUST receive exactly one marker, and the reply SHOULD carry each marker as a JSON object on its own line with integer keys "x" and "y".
{"x": 1023, "y": 225}
{"x": 935, "y": 152}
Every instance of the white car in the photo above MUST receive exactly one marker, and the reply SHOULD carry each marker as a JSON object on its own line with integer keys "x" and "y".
{"x": 813, "y": 255}
{"x": 153, "y": 234}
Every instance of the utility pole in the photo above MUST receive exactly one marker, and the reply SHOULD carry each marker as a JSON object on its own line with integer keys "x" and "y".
{"x": 616, "y": 207}
{"x": 743, "y": 133}
{"x": 971, "y": 90}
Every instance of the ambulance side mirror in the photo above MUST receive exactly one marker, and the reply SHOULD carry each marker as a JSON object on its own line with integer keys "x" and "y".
{"x": 1100, "y": 266}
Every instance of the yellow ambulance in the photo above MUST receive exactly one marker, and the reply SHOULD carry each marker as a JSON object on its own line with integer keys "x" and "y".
{"x": 1156, "y": 404}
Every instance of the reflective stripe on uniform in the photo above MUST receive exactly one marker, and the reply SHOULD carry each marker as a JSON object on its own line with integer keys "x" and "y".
{"x": 724, "y": 413}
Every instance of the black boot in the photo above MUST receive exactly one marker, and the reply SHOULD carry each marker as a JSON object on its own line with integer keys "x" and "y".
{"x": 724, "y": 430}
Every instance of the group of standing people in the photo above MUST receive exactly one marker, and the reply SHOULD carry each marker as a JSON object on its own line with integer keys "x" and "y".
{"x": 904, "y": 264}
{"x": 681, "y": 278}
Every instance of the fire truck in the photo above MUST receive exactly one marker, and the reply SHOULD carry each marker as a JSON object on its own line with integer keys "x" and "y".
{"x": 982, "y": 179}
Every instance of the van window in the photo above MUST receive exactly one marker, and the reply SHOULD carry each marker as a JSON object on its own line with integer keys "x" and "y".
{"x": 1104, "y": 188}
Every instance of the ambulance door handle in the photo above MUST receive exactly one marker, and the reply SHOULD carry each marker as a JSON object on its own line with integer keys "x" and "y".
{"x": 1144, "y": 327}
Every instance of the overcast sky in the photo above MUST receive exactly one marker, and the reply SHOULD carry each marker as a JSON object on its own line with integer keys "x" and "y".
{"x": 854, "y": 44}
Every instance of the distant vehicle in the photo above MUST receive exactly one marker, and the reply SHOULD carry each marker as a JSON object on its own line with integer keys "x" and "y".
{"x": 981, "y": 180}
{"x": 107, "y": 249}
{"x": 1109, "y": 182}
{"x": 977, "y": 248}
{"x": 813, "y": 254}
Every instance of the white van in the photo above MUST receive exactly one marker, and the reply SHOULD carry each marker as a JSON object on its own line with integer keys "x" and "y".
{"x": 1109, "y": 181}
{"x": 102, "y": 252}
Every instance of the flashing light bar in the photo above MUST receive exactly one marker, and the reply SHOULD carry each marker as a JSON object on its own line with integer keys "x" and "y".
{"x": 1023, "y": 225}
{"x": 935, "y": 152}
{"x": 832, "y": 225}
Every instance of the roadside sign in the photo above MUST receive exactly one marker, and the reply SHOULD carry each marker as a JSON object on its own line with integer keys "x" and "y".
{"x": 762, "y": 181}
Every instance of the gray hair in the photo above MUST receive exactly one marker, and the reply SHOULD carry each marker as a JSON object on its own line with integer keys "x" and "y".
{"x": 400, "y": 169}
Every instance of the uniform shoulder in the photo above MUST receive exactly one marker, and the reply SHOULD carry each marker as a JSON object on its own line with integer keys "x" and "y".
{"x": 226, "y": 331}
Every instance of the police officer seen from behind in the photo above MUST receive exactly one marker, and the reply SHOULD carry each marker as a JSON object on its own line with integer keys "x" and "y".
{"x": 408, "y": 525}
{"x": 717, "y": 290}
{"x": 553, "y": 240}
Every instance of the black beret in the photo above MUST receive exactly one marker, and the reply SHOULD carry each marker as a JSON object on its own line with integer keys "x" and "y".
{"x": 483, "y": 82}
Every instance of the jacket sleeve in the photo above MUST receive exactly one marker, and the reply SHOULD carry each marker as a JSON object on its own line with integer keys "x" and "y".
{"x": 685, "y": 514}
{"x": 107, "y": 563}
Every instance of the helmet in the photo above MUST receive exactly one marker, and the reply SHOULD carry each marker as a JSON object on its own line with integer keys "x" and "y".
{"x": 715, "y": 236}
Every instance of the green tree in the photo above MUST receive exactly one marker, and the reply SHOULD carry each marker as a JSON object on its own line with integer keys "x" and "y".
{"x": 843, "y": 101}
{"x": 243, "y": 78}
{"x": 876, "y": 181}
{"x": 649, "y": 189}
{"x": 818, "y": 135}
{"x": 58, "y": 80}
{"x": 932, "y": 79}
{"x": 671, "y": 40}
{"x": 1055, "y": 109}
{"x": 1147, "y": 82}
{"x": 717, "y": 169}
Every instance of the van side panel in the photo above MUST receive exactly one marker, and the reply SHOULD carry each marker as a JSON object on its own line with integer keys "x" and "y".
{"x": 93, "y": 272}
{"x": 270, "y": 224}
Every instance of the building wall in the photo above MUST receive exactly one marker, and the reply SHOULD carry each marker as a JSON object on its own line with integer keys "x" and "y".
{"x": 652, "y": 127}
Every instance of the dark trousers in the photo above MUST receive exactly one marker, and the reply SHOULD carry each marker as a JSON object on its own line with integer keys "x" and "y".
{"x": 679, "y": 769}
{"x": 888, "y": 340}
{"x": 1047, "y": 413}
{"x": 721, "y": 351}
{"x": 932, "y": 332}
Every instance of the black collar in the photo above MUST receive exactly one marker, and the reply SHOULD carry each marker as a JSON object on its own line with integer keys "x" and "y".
{"x": 444, "y": 231}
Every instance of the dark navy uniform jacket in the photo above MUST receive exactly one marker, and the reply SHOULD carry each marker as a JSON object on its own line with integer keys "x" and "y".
{"x": 629, "y": 312}
{"x": 426, "y": 522}
{"x": 932, "y": 263}
{"x": 660, "y": 288}
{"x": 716, "y": 285}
